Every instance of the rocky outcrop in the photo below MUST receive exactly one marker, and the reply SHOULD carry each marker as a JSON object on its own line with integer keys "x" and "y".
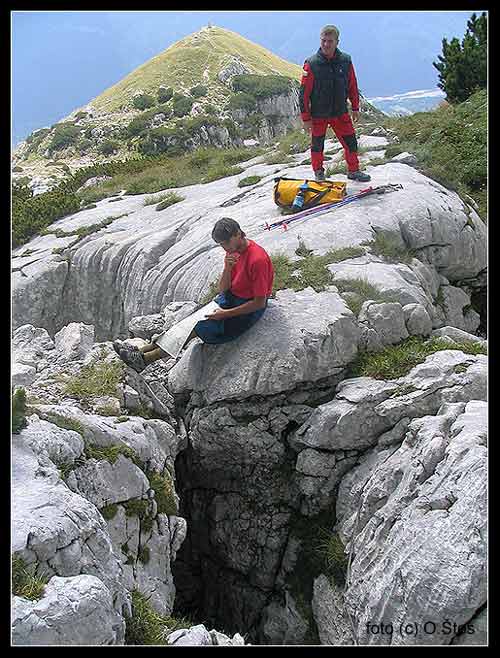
{"x": 144, "y": 259}
{"x": 220, "y": 503}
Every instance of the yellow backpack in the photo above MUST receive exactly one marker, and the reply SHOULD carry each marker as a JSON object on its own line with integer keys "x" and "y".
{"x": 286, "y": 189}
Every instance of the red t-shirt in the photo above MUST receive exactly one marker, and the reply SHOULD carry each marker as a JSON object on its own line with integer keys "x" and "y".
{"x": 253, "y": 273}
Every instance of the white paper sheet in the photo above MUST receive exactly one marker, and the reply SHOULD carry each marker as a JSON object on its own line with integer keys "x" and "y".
{"x": 172, "y": 341}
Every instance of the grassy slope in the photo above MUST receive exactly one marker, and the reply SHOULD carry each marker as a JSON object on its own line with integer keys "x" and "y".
{"x": 451, "y": 145}
{"x": 182, "y": 65}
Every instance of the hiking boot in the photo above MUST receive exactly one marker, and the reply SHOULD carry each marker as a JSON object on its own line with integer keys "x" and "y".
{"x": 319, "y": 175}
{"x": 359, "y": 175}
{"x": 132, "y": 357}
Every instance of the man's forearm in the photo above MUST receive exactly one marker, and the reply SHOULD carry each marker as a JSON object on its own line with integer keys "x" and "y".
{"x": 225, "y": 280}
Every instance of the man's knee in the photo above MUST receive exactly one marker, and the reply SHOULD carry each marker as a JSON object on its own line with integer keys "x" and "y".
{"x": 318, "y": 144}
{"x": 351, "y": 142}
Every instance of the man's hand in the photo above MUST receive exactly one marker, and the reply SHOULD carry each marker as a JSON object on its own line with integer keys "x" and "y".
{"x": 217, "y": 315}
{"x": 307, "y": 125}
{"x": 230, "y": 260}
{"x": 355, "y": 117}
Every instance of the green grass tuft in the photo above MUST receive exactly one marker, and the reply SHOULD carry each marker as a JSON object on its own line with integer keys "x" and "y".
{"x": 148, "y": 627}
{"x": 109, "y": 453}
{"x": 95, "y": 380}
{"x": 397, "y": 360}
{"x": 164, "y": 492}
{"x": 332, "y": 554}
{"x": 389, "y": 247}
{"x": 25, "y": 581}
{"x": 249, "y": 180}
{"x": 109, "y": 511}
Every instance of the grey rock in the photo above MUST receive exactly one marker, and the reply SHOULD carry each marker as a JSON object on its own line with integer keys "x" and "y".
{"x": 194, "y": 636}
{"x": 22, "y": 375}
{"x": 386, "y": 320}
{"x": 458, "y": 335}
{"x": 73, "y": 611}
{"x": 428, "y": 498}
{"x": 62, "y": 446}
{"x": 331, "y": 618}
{"x": 283, "y": 623}
{"x": 405, "y": 158}
{"x": 474, "y": 632}
{"x": 418, "y": 321}
{"x": 318, "y": 336}
{"x": 172, "y": 256}
{"x": 103, "y": 483}
{"x": 144, "y": 326}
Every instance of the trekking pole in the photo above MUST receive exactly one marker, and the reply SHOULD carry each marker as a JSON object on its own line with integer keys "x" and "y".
{"x": 318, "y": 210}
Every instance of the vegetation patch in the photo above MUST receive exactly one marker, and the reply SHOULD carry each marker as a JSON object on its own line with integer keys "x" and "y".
{"x": 109, "y": 453}
{"x": 163, "y": 200}
{"x": 332, "y": 554}
{"x": 148, "y": 627}
{"x": 63, "y": 422}
{"x": 310, "y": 271}
{"x": 26, "y": 582}
{"x": 95, "y": 380}
{"x": 249, "y": 180}
{"x": 143, "y": 101}
{"x": 364, "y": 291}
{"x": 31, "y": 214}
{"x": 19, "y": 410}
{"x": 109, "y": 511}
{"x": 262, "y": 86}
{"x": 164, "y": 94}
{"x": 64, "y": 135}
{"x": 397, "y": 360}
{"x": 136, "y": 507}
{"x": 450, "y": 144}
{"x": 164, "y": 492}
{"x": 390, "y": 248}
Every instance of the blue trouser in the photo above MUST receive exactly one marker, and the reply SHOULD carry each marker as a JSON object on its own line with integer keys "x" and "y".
{"x": 222, "y": 331}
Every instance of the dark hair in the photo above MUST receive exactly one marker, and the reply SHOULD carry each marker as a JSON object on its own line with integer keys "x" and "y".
{"x": 225, "y": 228}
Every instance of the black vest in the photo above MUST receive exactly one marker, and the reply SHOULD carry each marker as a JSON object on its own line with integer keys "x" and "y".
{"x": 329, "y": 94}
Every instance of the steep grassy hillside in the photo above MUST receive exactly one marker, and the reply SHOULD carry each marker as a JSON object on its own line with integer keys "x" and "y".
{"x": 196, "y": 59}
{"x": 450, "y": 143}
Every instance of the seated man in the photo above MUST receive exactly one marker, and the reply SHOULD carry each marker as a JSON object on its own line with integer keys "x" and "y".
{"x": 245, "y": 285}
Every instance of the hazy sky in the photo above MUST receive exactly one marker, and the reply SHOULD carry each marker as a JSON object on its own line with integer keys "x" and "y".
{"x": 63, "y": 59}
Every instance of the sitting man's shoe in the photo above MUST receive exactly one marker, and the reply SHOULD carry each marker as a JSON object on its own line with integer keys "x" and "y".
{"x": 132, "y": 357}
{"x": 359, "y": 175}
{"x": 319, "y": 175}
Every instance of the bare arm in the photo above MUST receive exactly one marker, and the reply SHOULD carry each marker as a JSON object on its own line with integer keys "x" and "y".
{"x": 225, "y": 279}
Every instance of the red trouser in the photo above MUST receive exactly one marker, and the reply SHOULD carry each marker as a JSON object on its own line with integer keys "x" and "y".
{"x": 344, "y": 131}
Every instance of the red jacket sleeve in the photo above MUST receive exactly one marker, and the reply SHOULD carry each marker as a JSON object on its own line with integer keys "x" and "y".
{"x": 306, "y": 85}
{"x": 352, "y": 89}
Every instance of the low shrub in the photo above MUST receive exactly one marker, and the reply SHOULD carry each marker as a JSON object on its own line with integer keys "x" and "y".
{"x": 262, "y": 86}
{"x": 198, "y": 91}
{"x": 143, "y": 101}
{"x": 64, "y": 135}
{"x": 181, "y": 105}
{"x": 164, "y": 94}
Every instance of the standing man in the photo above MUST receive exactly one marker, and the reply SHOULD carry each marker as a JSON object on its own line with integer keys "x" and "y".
{"x": 245, "y": 285}
{"x": 327, "y": 82}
